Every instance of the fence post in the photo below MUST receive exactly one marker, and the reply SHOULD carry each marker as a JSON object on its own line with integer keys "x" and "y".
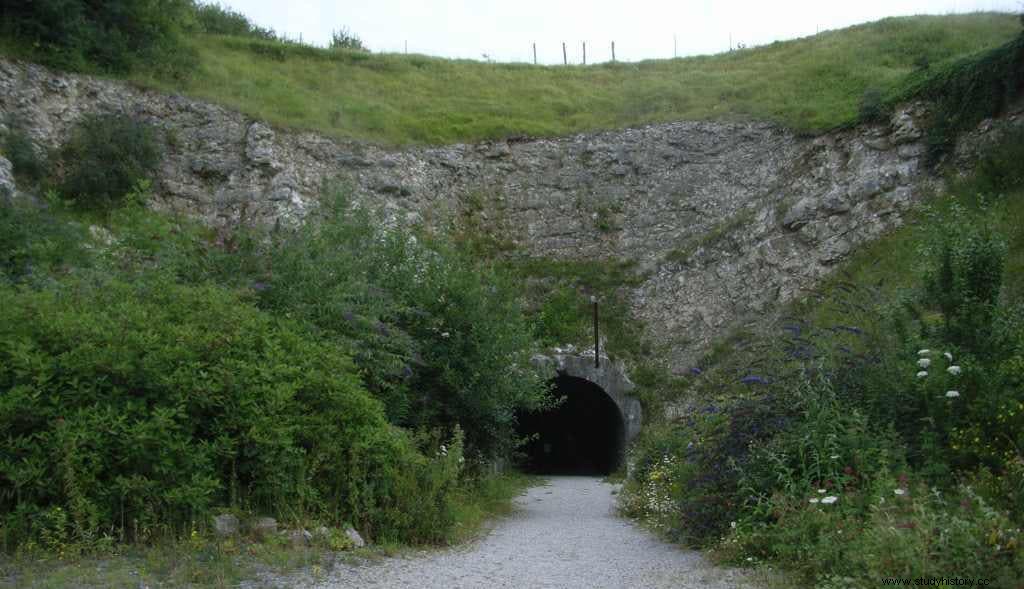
{"x": 613, "y": 50}
{"x": 565, "y": 58}
{"x": 534, "y": 54}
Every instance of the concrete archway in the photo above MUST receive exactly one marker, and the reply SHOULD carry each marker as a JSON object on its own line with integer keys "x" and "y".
{"x": 589, "y": 431}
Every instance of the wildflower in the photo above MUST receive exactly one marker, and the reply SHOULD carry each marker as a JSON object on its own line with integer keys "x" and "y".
{"x": 814, "y": 500}
{"x": 952, "y": 394}
{"x": 924, "y": 362}
{"x": 922, "y": 374}
{"x": 949, "y": 357}
{"x": 732, "y": 525}
{"x": 830, "y": 500}
{"x": 924, "y": 352}
{"x": 954, "y": 370}
{"x": 753, "y": 380}
{"x": 445, "y": 334}
{"x": 834, "y": 456}
{"x": 821, "y": 491}
{"x": 899, "y": 491}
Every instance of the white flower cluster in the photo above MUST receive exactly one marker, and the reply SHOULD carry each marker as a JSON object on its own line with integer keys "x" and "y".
{"x": 925, "y": 362}
{"x": 824, "y": 500}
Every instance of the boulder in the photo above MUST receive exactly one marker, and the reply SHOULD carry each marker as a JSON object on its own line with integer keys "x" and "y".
{"x": 263, "y": 526}
{"x": 300, "y": 538}
{"x": 904, "y": 128}
{"x": 259, "y": 146}
{"x": 225, "y": 525}
{"x": 354, "y": 536}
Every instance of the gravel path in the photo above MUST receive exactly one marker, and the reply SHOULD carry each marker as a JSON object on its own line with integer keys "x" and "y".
{"x": 565, "y": 534}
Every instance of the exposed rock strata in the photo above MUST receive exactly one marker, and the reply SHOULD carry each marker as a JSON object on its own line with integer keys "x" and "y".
{"x": 727, "y": 220}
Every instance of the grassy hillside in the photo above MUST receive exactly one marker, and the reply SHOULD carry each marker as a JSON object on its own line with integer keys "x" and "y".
{"x": 808, "y": 84}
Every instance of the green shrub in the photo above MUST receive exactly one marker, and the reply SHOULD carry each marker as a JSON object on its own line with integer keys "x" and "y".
{"x": 106, "y": 157}
{"x": 215, "y": 19}
{"x": 964, "y": 278}
{"x": 36, "y": 243}
{"x": 998, "y": 171}
{"x": 114, "y": 37}
{"x": 134, "y": 411}
{"x": 966, "y": 92}
{"x": 872, "y": 109}
{"x": 29, "y": 165}
{"x": 346, "y": 39}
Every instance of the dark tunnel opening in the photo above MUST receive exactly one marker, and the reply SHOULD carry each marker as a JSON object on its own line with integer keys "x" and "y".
{"x": 584, "y": 435}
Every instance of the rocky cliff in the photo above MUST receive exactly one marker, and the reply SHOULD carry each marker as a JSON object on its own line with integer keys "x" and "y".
{"x": 726, "y": 220}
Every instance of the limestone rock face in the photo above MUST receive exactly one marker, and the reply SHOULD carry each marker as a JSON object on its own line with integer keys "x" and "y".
{"x": 727, "y": 220}
{"x": 7, "y": 186}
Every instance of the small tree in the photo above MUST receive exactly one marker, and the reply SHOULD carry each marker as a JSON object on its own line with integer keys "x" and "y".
{"x": 105, "y": 158}
{"x": 346, "y": 39}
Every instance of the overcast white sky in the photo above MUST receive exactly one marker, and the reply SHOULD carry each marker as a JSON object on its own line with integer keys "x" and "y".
{"x": 641, "y": 29}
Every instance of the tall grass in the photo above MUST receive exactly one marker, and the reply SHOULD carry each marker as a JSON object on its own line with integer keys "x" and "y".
{"x": 807, "y": 84}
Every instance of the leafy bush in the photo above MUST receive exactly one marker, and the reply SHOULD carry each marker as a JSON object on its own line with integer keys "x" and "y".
{"x": 872, "y": 108}
{"x": 36, "y": 243}
{"x": 114, "y": 37}
{"x": 440, "y": 338}
{"x": 964, "y": 279}
{"x": 346, "y": 39}
{"x": 215, "y": 19}
{"x": 136, "y": 410}
{"x": 29, "y": 165}
{"x": 106, "y": 157}
{"x": 966, "y": 92}
{"x": 998, "y": 170}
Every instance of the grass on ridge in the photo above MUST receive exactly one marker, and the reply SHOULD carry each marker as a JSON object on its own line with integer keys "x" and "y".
{"x": 808, "y": 84}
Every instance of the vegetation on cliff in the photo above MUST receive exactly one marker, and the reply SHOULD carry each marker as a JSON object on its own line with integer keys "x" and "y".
{"x": 878, "y": 431}
{"x": 155, "y": 372}
{"x": 808, "y": 84}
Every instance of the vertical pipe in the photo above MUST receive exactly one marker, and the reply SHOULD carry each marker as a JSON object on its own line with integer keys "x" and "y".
{"x": 597, "y": 336}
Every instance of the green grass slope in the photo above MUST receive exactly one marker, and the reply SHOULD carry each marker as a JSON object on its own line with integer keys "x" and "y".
{"x": 808, "y": 84}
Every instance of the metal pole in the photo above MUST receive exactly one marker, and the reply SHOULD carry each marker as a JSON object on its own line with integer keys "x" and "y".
{"x": 584, "y": 53}
{"x": 613, "y": 50}
{"x": 597, "y": 336}
{"x": 565, "y": 58}
{"x": 534, "y": 54}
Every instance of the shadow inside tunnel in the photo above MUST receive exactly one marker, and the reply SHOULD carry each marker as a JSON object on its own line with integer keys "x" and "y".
{"x": 584, "y": 435}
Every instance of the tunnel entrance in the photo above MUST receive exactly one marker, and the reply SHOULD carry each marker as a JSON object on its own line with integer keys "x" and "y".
{"x": 584, "y": 435}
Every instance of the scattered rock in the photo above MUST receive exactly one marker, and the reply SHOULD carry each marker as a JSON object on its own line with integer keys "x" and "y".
{"x": 904, "y": 127}
{"x": 300, "y": 538}
{"x": 354, "y": 536}
{"x": 263, "y": 527}
{"x": 878, "y": 143}
{"x": 911, "y": 150}
{"x": 225, "y": 525}
{"x": 497, "y": 151}
{"x": 798, "y": 215}
{"x": 259, "y": 146}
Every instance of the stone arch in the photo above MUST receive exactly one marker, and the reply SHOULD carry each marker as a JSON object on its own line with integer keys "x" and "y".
{"x": 599, "y": 416}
